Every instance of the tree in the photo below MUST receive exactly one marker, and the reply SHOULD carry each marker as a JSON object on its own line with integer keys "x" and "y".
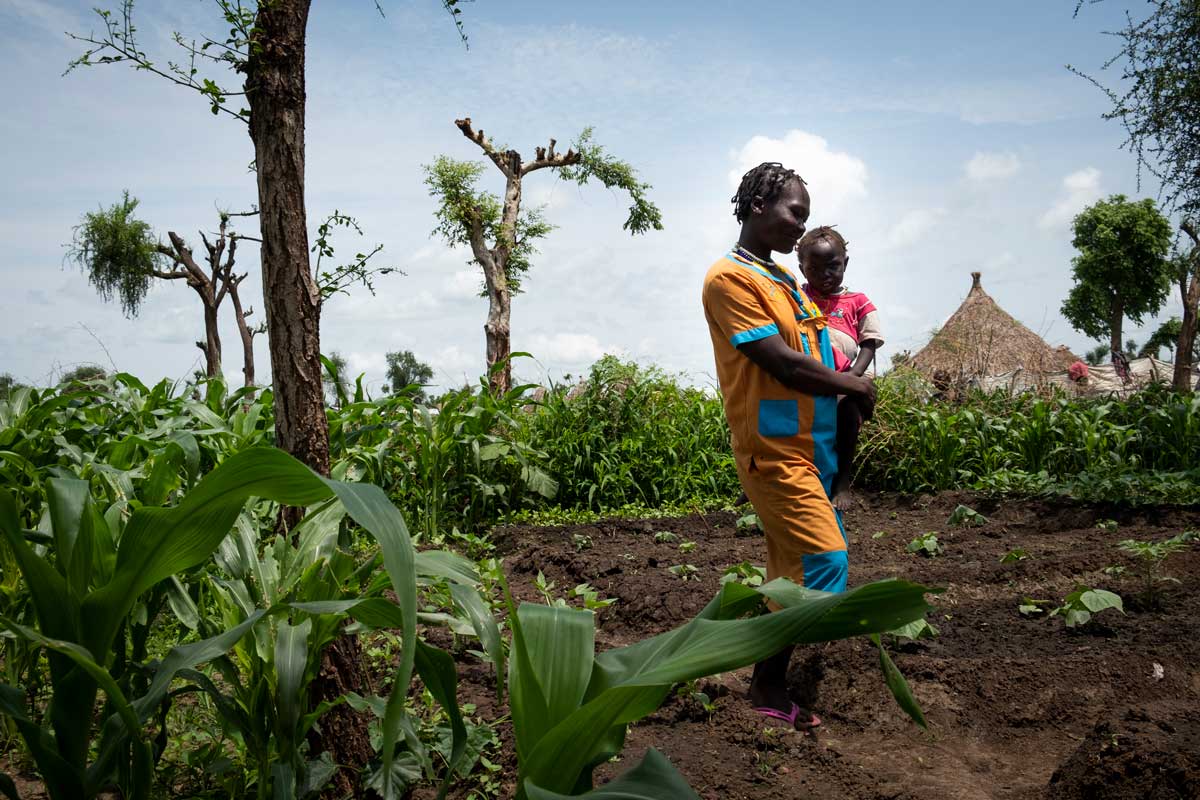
{"x": 123, "y": 258}
{"x": 1095, "y": 357}
{"x": 1166, "y": 335}
{"x": 502, "y": 235}
{"x": 264, "y": 44}
{"x": 336, "y": 379}
{"x": 1122, "y": 269}
{"x": 8, "y": 384}
{"x": 82, "y": 374}
{"x": 404, "y": 369}
{"x": 1159, "y": 106}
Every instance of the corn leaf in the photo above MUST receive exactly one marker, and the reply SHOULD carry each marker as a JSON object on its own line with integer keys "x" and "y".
{"x": 899, "y": 686}
{"x": 654, "y": 778}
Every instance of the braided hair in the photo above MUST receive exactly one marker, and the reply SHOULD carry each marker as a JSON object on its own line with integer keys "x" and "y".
{"x": 766, "y": 181}
{"x": 825, "y": 233}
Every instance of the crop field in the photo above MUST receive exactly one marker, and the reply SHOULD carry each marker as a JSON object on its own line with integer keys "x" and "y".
{"x": 547, "y": 594}
{"x": 1019, "y": 706}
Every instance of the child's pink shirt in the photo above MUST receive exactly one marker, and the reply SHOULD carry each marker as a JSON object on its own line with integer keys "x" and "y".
{"x": 853, "y": 320}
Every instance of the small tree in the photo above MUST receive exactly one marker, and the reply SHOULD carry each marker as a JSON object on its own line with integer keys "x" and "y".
{"x": 8, "y": 384}
{"x": 123, "y": 259}
{"x": 1122, "y": 268}
{"x": 1166, "y": 335}
{"x": 1096, "y": 355}
{"x": 502, "y": 235}
{"x": 405, "y": 369}
{"x": 1158, "y": 104}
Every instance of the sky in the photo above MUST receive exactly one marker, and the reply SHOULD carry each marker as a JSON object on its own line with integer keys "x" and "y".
{"x": 940, "y": 137}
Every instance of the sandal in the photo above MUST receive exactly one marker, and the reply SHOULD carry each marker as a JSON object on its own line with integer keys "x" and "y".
{"x": 790, "y": 717}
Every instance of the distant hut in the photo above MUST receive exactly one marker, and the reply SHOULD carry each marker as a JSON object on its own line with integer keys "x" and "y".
{"x": 982, "y": 340}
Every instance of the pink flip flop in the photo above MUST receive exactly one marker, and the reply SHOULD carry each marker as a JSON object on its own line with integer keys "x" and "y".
{"x": 789, "y": 717}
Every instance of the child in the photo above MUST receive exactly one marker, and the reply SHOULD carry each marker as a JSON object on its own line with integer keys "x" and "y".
{"x": 854, "y": 333}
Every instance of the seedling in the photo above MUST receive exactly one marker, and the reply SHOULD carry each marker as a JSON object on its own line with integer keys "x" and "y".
{"x": 1079, "y": 606}
{"x": 582, "y": 542}
{"x": 967, "y": 517}
{"x": 1107, "y": 525}
{"x": 1030, "y": 607}
{"x": 1013, "y": 556}
{"x": 746, "y": 573}
{"x": 591, "y": 597}
{"x": 879, "y": 534}
{"x": 1150, "y": 557}
{"x": 687, "y": 547}
{"x": 926, "y": 544}
{"x": 748, "y": 522}
{"x": 685, "y": 572}
{"x": 662, "y": 537}
{"x": 1114, "y": 571}
{"x": 917, "y": 629}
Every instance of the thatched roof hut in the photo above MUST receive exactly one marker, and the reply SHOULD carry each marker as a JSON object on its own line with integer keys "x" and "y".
{"x": 981, "y": 339}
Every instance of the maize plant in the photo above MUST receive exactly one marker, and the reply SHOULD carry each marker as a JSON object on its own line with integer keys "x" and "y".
{"x": 570, "y": 707}
{"x": 87, "y": 582}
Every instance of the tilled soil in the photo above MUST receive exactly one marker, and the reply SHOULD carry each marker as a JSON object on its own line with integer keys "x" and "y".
{"x": 1018, "y": 707}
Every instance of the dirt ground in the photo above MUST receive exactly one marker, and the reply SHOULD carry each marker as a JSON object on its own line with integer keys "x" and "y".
{"x": 1018, "y": 707}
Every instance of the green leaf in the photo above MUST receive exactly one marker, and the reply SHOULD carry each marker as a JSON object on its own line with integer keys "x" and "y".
{"x": 182, "y": 604}
{"x": 654, "y": 778}
{"x": 437, "y": 671}
{"x": 1096, "y": 600}
{"x": 291, "y": 662}
{"x": 899, "y": 686}
{"x": 468, "y": 599}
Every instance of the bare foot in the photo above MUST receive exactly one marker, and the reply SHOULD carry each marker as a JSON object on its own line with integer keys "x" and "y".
{"x": 843, "y": 496}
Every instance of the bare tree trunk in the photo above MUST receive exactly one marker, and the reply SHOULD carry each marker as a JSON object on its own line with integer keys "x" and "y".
{"x": 1181, "y": 380}
{"x": 212, "y": 337}
{"x": 496, "y": 330}
{"x": 1116, "y": 315}
{"x": 244, "y": 330}
{"x": 1189, "y": 291}
{"x": 276, "y": 93}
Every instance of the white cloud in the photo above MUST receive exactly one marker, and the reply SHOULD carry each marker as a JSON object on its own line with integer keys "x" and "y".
{"x": 463, "y": 284}
{"x": 834, "y": 178}
{"x": 566, "y": 348}
{"x": 1078, "y": 189}
{"x": 913, "y": 225}
{"x": 992, "y": 166}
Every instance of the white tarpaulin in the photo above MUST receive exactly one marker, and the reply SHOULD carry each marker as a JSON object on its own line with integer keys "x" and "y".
{"x": 1101, "y": 379}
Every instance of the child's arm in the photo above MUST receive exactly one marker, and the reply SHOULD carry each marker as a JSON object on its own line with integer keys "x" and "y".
{"x": 866, "y": 354}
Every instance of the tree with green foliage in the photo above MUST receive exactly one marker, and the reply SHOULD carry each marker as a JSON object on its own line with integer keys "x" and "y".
{"x": 1122, "y": 269}
{"x": 1158, "y": 103}
{"x": 1095, "y": 357}
{"x": 123, "y": 258}
{"x": 8, "y": 384}
{"x": 502, "y": 236}
{"x": 83, "y": 374}
{"x": 404, "y": 369}
{"x": 1166, "y": 335}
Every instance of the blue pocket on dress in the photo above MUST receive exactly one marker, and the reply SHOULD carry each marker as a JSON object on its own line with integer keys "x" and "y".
{"x": 778, "y": 417}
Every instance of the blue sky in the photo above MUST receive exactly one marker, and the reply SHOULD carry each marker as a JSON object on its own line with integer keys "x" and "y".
{"x": 941, "y": 138}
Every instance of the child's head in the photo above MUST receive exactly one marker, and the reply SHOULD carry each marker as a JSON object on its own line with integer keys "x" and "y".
{"x": 823, "y": 259}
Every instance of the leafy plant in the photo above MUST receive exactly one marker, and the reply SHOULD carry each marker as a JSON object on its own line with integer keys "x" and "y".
{"x": 748, "y": 522}
{"x": 1029, "y": 606}
{"x": 570, "y": 707}
{"x": 1013, "y": 556}
{"x": 684, "y": 572}
{"x": 968, "y": 517}
{"x": 686, "y": 547}
{"x": 916, "y": 630}
{"x": 1107, "y": 525}
{"x": 662, "y": 537}
{"x": 581, "y": 542}
{"x": 1149, "y": 557}
{"x": 1080, "y": 605}
{"x": 746, "y": 573}
{"x": 926, "y": 544}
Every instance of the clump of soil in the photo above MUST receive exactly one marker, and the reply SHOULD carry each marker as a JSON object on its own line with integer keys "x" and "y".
{"x": 1135, "y": 757}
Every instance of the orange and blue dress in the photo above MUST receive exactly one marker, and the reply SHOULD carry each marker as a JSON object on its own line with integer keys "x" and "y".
{"x": 783, "y": 439}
